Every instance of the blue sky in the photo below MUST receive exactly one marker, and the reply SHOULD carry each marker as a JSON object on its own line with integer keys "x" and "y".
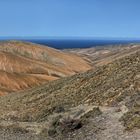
{"x": 70, "y": 18}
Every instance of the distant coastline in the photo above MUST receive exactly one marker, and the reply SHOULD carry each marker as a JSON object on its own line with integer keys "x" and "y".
{"x": 76, "y": 43}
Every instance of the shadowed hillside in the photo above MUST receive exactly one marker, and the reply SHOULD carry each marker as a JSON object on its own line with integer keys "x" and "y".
{"x": 24, "y": 65}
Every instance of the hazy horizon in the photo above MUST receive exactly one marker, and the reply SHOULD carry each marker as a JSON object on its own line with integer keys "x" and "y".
{"x": 67, "y": 37}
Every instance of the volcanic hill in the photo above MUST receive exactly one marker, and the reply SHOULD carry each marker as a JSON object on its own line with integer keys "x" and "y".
{"x": 101, "y": 55}
{"x": 24, "y": 65}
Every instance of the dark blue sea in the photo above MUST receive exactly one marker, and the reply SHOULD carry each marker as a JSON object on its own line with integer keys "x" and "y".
{"x": 76, "y": 43}
{"x": 80, "y": 43}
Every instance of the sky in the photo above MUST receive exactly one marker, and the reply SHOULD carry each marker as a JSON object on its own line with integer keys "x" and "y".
{"x": 70, "y": 18}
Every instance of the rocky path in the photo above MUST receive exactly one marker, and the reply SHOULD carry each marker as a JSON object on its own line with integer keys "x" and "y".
{"x": 114, "y": 130}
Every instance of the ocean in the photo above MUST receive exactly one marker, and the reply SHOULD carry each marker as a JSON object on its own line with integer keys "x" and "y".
{"x": 76, "y": 43}
{"x": 79, "y": 43}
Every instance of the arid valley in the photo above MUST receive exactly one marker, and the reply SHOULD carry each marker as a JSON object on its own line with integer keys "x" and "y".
{"x": 74, "y": 94}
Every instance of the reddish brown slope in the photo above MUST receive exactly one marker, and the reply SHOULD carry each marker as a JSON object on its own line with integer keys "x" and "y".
{"x": 52, "y": 56}
{"x": 10, "y": 82}
{"x": 24, "y": 65}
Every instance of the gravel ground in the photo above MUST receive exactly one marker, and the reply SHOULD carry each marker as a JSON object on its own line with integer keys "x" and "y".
{"x": 112, "y": 129}
{"x": 18, "y": 136}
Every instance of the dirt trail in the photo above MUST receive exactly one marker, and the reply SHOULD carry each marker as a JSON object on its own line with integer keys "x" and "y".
{"x": 114, "y": 130}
